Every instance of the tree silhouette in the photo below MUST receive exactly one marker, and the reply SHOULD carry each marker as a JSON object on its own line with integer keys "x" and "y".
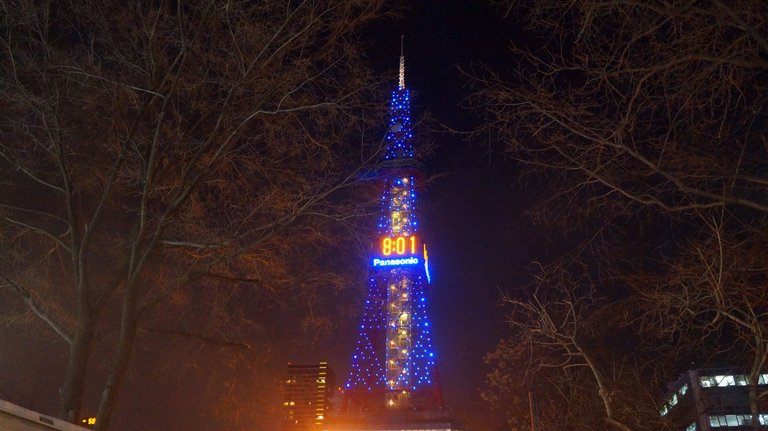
{"x": 648, "y": 121}
{"x": 162, "y": 161}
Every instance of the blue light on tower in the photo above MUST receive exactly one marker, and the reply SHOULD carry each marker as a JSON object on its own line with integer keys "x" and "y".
{"x": 393, "y": 353}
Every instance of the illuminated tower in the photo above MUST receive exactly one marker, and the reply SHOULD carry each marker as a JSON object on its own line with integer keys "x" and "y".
{"x": 393, "y": 365}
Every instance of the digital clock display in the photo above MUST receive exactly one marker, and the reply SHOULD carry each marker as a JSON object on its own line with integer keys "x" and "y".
{"x": 399, "y": 246}
{"x": 397, "y": 251}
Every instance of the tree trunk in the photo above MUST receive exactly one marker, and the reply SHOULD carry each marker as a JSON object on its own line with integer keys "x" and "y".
{"x": 753, "y": 405}
{"x": 754, "y": 378}
{"x": 121, "y": 361}
{"x": 115, "y": 381}
{"x": 74, "y": 380}
{"x": 604, "y": 392}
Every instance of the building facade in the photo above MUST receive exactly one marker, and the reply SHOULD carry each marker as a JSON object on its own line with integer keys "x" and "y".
{"x": 713, "y": 400}
{"x": 306, "y": 396}
{"x": 17, "y": 418}
{"x": 393, "y": 382}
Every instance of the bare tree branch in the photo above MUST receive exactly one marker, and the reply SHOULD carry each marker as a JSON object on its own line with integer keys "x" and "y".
{"x": 36, "y": 308}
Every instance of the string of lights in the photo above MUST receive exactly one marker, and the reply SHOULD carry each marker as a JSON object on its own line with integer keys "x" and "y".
{"x": 394, "y": 350}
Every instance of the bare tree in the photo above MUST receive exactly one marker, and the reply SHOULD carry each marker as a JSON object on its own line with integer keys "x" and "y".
{"x": 157, "y": 156}
{"x": 649, "y": 122}
{"x": 563, "y": 351}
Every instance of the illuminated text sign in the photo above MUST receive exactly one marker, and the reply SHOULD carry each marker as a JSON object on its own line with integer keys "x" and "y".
{"x": 406, "y": 261}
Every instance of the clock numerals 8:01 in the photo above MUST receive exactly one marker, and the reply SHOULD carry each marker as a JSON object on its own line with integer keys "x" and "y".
{"x": 399, "y": 246}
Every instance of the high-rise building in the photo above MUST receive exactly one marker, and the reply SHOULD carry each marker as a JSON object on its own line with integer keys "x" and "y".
{"x": 307, "y": 390}
{"x": 712, "y": 400}
{"x": 393, "y": 382}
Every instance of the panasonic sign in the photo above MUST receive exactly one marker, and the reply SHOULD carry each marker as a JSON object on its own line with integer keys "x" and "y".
{"x": 406, "y": 261}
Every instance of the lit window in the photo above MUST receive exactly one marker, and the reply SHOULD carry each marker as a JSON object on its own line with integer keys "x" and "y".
{"x": 723, "y": 381}
{"x": 691, "y": 427}
{"x": 705, "y": 382}
{"x": 730, "y": 420}
{"x": 663, "y": 410}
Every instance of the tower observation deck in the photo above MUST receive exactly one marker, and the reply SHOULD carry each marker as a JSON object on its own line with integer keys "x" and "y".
{"x": 393, "y": 381}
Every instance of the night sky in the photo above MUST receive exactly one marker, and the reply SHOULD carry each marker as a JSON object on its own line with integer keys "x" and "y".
{"x": 474, "y": 224}
{"x": 473, "y": 218}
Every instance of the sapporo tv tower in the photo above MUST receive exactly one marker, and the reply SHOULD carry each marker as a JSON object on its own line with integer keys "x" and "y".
{"x": 393, "y": 380}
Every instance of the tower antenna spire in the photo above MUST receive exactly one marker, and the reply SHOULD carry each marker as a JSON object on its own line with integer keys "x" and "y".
{"x": 401, "y": 81}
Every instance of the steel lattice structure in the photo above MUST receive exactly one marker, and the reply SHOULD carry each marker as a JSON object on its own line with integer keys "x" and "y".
{"x": 393, "y": 366}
